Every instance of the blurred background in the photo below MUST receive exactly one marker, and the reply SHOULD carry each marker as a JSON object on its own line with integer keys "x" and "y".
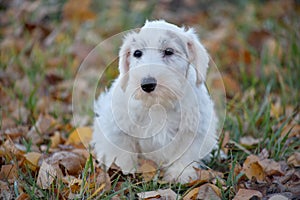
{"x": 254, "y": 44}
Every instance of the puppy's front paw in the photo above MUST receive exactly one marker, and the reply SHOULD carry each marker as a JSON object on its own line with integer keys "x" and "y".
{"x": 180, "y": 174}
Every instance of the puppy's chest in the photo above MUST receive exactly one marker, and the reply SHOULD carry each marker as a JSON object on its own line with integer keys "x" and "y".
{"x": 154, "y": 128}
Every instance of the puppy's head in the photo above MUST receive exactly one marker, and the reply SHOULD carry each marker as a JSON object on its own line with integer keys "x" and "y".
{"x": 160, "y": 59}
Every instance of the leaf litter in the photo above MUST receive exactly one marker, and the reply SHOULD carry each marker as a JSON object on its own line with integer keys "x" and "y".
{"x": 39, "y": 142}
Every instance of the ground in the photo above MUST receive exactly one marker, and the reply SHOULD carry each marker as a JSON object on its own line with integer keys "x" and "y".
{"x": 255, "y": 46}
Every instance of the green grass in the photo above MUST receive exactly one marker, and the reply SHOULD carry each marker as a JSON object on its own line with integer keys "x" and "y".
{"x": 248, "y": 113}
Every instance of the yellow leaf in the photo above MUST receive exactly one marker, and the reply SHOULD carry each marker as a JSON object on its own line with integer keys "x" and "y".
{"x": 148, "y": 169}
{"x": 55, "y": 139}
{"x": 252, "y": 168}
{"x": 32, "y": 158}
{"x": 82, "y": 135}
{"x": 276, "y": 109}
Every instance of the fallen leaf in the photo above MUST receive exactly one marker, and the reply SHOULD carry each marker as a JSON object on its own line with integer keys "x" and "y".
{"x": 55, "y": 139}
{"x": 12, "y": 149}
{"x": 102, "y": 177}
{"x": 226, "y": 140}
{"x": 15, "y": 132}
{"x": 278, "y": 197}
{"x": 149, "y": 195}
{"x": 244, "y": 194}
{"x": 69, "y": 162}
{"x": 192, "y": 194}
{"x": 276, "y": 109}
{"x": 78, "y": 10}
{"x": 205, "y": 176}
{"x": 270, "y": 167}
{"x": 209, "y": 191}
{"x": 47, "y": 175}
{"x": 293, "y": 130}
{"x": 237, "y": 169}
{"x": 33, "y": 158}
{"x": 82, "y": 135}
{"x": 249, "y": 141}
{"x": 294, "y": 159}
{"x": 252, "y": 168}
{"x": 23, "y": 196}
{"x": 8, "y": 172}
{"x": 44, "y": 125}
{"x": 5, "y": 192}
{"x": 147, "y": 168}
{"x": 159, "y": 194}
{"x": 232, "y": 87}
{"x": 73, "y": 183}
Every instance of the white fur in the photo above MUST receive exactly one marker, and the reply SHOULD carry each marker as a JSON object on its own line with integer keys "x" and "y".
{"x": 175, "y": 125}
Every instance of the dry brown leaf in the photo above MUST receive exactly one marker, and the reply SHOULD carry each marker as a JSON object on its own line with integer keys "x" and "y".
{"x": 294, "y": 159}
{"x": 149, "y": 195}
{"x": 159, "y": 194}
{"x": 276, "y": 109}
{"x": 225, "y": 141}
{"x": 103, "y": 178}
{"x": 5, "y": 192}
{"x": 80, "y": 136}
{"x": 167, "y": 194}
{"x": 8, "y": 172}
{"x": 23, "y": 196}
{"x": 13, "y": 149}
{"x": 252, "y": 168}
{"x": 15, "y": 132}
{"x": 292, "y": 129}
{"x": 78, "y": 10}
{"x": 205, "y": 176}
{"x": 209, "y": 191}
{"x": 271, "y": 167}
{"x": 244, "y": 194}
{"x": 33, "y": 158}
{"x": 237, "y": 169}
{"x": 73, "y": 183}
{"x": 232, "y": 87}
{"x": 71, "y": 163}
{"x": 192, "y": 194}
{"x": 55, "y": 139}
{"x": 278, "y": 197}
{"x": 249, "y": 141}
{"x": 47, "y": 175}
{"x": 82, "y": 152}
{"x": 147, "y": 168}
{"x": 44, "y": 125}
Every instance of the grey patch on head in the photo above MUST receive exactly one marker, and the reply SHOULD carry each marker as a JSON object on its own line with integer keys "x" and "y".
{"x": 141, "y": 44}
{"x": 177, "y": 39}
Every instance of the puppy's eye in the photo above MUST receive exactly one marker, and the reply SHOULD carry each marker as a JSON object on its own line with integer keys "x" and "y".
{"x": 169, "y": 51}
{"x": 137, "y": 53}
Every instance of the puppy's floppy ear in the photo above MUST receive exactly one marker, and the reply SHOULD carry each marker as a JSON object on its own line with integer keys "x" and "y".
{"x": 197, "y": 55}
{"x": 124, "y": 55}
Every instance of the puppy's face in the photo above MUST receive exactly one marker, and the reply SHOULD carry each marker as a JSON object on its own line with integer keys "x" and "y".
{"x": 155, "y": 62}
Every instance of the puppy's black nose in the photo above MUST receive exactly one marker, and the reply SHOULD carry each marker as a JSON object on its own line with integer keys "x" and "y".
{"x": 148, "y": 84}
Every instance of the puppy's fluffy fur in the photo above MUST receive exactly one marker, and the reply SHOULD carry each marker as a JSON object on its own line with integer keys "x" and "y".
{"x": 173, "y": 125}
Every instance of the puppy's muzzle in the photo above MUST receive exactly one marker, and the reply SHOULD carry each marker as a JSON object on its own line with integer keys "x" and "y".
{"x": 148, "y": 84}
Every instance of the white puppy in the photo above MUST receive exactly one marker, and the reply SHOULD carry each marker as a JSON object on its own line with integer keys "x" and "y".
{"x": 158, "y": 108}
